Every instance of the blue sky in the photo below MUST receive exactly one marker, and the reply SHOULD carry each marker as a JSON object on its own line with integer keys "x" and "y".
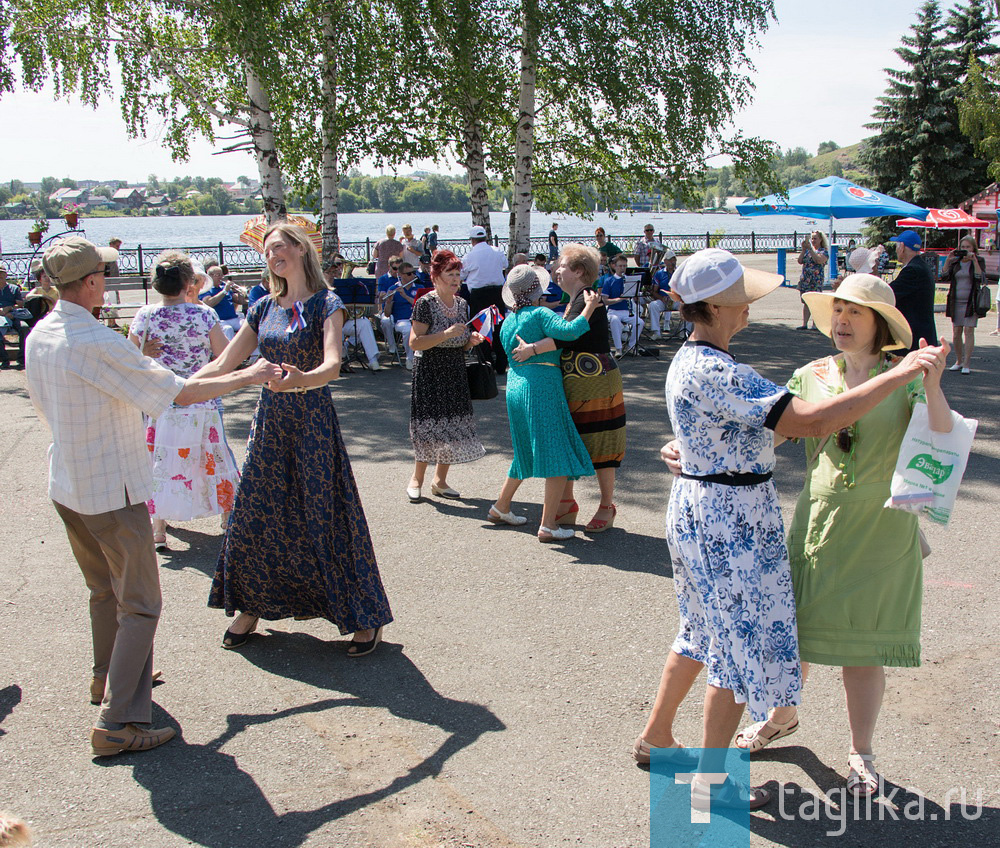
{"x": 819, "y": 70}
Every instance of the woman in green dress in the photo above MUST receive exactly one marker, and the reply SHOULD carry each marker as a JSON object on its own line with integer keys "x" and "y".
{"x": 546, "y": 442}
{"x": 856, "y": 566}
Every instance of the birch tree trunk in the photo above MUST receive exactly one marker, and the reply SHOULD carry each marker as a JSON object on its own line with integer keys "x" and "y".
{"x": 475, "y": 166}
{"x": 524, "y": 139}
{"x": 330, "y": 168}
{"x": 264, "y": 150}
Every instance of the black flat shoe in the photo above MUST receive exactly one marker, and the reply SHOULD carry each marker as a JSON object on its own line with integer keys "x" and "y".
{"x": 232, "y": 640}
{"x": 360, "y": 649}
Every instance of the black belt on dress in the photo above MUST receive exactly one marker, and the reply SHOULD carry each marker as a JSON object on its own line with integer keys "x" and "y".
{"x": 731, "y": 479}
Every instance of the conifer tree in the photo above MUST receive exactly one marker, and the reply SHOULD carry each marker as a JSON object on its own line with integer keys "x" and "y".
{"x": 920, "y": 153}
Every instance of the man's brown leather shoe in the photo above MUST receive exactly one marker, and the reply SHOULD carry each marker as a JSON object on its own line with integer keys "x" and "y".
{"x": 105, "y": 743}
{"x": 97, "y": 685}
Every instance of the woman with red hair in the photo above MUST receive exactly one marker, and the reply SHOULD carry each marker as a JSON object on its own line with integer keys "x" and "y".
{"x": 442, "y": 424}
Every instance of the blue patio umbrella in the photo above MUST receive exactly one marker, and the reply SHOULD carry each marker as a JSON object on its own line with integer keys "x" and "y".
{"x": 831, "y": 197}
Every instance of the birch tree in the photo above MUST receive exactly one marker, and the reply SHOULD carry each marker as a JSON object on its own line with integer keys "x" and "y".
{"x": 633, "y": 96}
{"x": 197, "y": 65}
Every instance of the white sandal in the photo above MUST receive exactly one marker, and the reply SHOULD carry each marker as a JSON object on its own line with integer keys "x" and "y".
{"x": 497, "y": 517}
{"x": 863, "y": 781}
{"x": 753, "y": 739}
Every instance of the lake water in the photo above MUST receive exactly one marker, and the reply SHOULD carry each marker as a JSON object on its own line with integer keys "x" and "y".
{"x": 200, "y": 231}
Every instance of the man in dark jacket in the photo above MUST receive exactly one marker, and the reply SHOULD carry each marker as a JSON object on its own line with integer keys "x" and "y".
{"x": 914, "y": 288}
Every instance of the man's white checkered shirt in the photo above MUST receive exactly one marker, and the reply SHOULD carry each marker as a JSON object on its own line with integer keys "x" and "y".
{"x": 89, "y": 384}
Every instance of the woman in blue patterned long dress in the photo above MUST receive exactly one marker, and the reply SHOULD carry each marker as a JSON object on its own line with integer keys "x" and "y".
{"x": 724, "y": 527}
{"x": 813, "y": 256}
{"x": 297, "y": 545}
{"x": 546, "y": 443}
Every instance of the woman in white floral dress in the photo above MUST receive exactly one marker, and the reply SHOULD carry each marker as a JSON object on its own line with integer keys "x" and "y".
{"x": 194, "y": 471}
{"x": 724, "y": 528}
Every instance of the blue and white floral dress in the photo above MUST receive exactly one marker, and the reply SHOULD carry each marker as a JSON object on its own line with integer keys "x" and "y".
{"x": 727, "y": 542}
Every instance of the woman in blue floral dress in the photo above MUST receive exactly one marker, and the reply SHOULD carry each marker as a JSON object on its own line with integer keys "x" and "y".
{"x": 724, "y": 527}
{"x": 813, "y": 256}
{"x": 298, "y": 543}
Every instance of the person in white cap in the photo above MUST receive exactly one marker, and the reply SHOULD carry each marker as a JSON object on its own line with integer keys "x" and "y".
{"x": 89, "y": 384}
{"x": 724, "y": 527}
{"x": 482, "y": 272}
{"x": 856, "y": 566}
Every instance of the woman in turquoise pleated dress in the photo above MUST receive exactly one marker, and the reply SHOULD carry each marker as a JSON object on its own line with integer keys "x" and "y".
{"x": 546, "y": 442}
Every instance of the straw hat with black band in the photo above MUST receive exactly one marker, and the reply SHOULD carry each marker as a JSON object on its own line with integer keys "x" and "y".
{"x": 864, "y": 290}
{"x": 716, "y": 276}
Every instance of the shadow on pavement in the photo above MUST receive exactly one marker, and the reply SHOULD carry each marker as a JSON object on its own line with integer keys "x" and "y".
{"x": 188, "y": 783}
{"x": 10, "y": 697}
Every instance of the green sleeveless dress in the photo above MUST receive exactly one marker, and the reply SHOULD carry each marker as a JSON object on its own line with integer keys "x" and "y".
{"x": 856, "y": 566}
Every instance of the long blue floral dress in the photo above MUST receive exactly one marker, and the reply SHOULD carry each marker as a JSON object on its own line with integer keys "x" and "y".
{"x": 298, "y": 542}
{"x": 727, "y": 542}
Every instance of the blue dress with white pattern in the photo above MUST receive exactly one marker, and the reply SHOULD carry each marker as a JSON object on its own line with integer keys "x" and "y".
{"x": 731, "y": 570}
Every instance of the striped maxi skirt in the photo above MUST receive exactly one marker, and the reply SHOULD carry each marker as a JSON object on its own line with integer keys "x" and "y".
{"x": 593, "y": 386}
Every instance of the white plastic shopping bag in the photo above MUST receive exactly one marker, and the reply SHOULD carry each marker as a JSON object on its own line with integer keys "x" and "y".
{"x": 930, "y": 465}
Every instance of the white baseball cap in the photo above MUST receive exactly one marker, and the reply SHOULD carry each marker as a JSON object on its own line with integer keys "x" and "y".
{"x": 716, "y": 276}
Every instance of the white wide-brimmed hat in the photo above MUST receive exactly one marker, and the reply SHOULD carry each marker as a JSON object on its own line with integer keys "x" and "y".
{"x": 860, "y": 260}
{"x": 716, "y": 276}
{"x": 864, "y": 290}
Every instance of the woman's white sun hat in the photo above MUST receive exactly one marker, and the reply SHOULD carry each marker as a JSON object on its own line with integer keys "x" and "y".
{"x": 864, "y": 290}
{"x": 716, "y": 276}
{"x": 860, "y": 260}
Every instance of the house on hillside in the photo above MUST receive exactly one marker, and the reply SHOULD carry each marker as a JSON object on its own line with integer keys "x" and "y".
{"x": 243, "y": 191}
{"x": 58, "y": 196}
{"x": 157, "y": 201}
{"x": 130, "y": 198}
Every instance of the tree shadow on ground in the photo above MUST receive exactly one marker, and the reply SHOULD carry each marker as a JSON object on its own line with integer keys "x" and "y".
{"x": 206, "y": 779}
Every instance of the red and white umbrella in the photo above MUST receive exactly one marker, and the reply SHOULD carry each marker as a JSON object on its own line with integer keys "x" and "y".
{"x": 945, "y": 219}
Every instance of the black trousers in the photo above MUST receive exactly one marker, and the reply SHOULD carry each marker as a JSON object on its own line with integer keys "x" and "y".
{"x": 481, "y": 298}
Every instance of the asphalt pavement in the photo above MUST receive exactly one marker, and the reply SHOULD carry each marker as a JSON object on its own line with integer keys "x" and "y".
{"x": 501, "y": 708}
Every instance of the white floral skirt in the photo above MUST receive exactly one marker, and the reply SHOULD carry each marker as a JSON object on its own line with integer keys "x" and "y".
{"x": 734, "y": 591}
{"x": 194, "y": 471}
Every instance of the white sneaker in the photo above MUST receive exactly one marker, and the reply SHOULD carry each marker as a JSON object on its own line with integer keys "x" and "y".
{"x": 657, "y": 335}
{"x": 955, "y": 367}
{"x": 409, "y": 364}
{"x": 373, "y": 364}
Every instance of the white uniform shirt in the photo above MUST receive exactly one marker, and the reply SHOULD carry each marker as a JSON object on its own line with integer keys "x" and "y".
{"x": 483, "y": 266}
{"x": 89, "y": 383}
{"x": 412, "y": 251}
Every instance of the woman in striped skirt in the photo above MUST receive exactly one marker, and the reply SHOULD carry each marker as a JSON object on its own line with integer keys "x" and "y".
{"x": 593, "y": 385}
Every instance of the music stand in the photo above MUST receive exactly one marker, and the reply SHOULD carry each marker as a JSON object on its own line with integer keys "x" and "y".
{"x": 632, "y": 292}
{"x": 357, "y": 293}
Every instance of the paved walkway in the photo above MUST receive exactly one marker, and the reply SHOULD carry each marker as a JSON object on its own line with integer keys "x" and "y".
{"x": 502, "y": 707}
